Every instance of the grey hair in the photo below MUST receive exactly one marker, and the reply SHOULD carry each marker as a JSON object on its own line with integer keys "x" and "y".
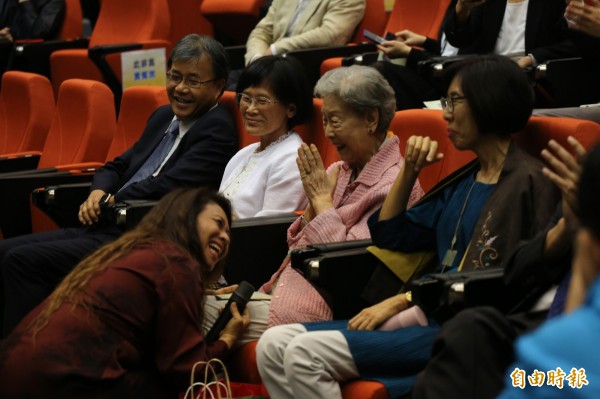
{"x": 362, "y": 88}
{"x": 192, "y": 47}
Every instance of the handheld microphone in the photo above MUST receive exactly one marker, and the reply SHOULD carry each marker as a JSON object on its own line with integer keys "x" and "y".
{"x": 240, "y": 296}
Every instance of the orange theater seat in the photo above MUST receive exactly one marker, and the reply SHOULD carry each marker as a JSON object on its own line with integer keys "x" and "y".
{"x": 374, "y": 20}
{"x": 137, "y": 105}
{"x": 146, "y": 22}
{"x": 540, "y": 129}
{"x": 426, "y": 122}
{"x": 26, "y": 110}
{"x": 72, "y": 26}
{"x": 82, "y": 129}
{"x": 186, "y": 18}
{"x": 233, "y": 18}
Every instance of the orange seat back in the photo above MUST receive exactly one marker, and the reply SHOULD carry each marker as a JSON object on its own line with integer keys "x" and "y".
{"x": 540, "y": 129}
{"x": 228, "y": 100}
{"x": 234, "y": 18}
{"x": 375, "y": 20}
{"x": 424, "y": 122}
{"x": 137, "y": 104}
{"x": 186, "y": 18}
{"x": 83, "y": 126}
{"x": 26, "y": 111}
{"x": 424, "y": 17}
{"x": 131, "y": 21}
{"x": 72, "y": 26}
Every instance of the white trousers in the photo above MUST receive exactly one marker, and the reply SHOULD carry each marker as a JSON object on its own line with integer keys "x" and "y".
{"x": 294, "y": 363}
{"x": 259, "y": 314}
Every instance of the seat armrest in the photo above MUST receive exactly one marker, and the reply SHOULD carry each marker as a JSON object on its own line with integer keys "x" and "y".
{"x": 258, "y": 247}
{"x": 568, "y": 82}
{"x": 11, "y": 164}
{"x": 441, "y": 295}
{"x": 16, "y": 220}
{"x": 35, "y": 57}
{"x": 126, "y": 214}
{"x": 61, "y": 202}
{"x": 300, "y": 256}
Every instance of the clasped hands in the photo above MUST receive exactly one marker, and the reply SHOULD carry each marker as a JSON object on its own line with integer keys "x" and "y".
{"x": 318, "y": 185}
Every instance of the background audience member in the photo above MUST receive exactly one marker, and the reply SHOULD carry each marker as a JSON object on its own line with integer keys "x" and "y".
{"x": 262, "y": 179}
{"x": 358, "y": 107}
{"x": 126, "y": 321}
{"x": 410, "y": 86}
{"x": 186, "y": 143}
{"x": 472, "y": 220}
{"x": 528, "y": 31}
{"x": 28, "y": 19}
{"x": 564, "y": 345}
{"x": 304, "y": 24}
{"x": 584, "y": 28}
{"x": 531, "y": 274}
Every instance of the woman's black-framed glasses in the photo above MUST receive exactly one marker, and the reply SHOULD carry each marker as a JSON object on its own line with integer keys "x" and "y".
{"x": 189, "y": 82}
{"x": 448, "y": 102}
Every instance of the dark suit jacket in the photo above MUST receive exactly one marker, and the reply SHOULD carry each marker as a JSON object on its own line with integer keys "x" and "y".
{"x": 33, "y": 19}
{"x": 199, "y": 160}
{"x": 545, "y": 31}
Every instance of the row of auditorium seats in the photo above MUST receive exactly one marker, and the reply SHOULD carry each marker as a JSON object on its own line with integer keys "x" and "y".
{"x": 138, "y": 24}
{"x": 72, "y": 139}
{"x": 160, "y": 23}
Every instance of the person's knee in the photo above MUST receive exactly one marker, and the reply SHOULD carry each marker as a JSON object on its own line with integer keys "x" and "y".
{"x": 297, "y": 353}
{"x": 271, "y": 346}
{"x": 14, "y": 261}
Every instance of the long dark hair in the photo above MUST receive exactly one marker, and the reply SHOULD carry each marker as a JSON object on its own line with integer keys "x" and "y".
{"x": 172, "y": 219}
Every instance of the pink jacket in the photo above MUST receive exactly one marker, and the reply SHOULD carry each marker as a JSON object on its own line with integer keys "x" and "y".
{"x": 294, "y": 299}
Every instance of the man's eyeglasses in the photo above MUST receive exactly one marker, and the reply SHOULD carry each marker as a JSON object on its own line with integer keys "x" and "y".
{"x": 189, "y": 82}
{"x": 259, "y": 102}
{"x": 448, "y": 102}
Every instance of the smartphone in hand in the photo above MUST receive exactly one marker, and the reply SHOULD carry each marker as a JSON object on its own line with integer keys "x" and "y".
{"x": 373, "y": 37}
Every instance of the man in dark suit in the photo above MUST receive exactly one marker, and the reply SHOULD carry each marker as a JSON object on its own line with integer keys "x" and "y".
{"x": 186, "y": 143}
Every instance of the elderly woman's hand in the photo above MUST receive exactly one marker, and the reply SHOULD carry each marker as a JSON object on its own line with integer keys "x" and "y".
{"x": 420, "y": 152}
{"x": 318, "y": 186}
